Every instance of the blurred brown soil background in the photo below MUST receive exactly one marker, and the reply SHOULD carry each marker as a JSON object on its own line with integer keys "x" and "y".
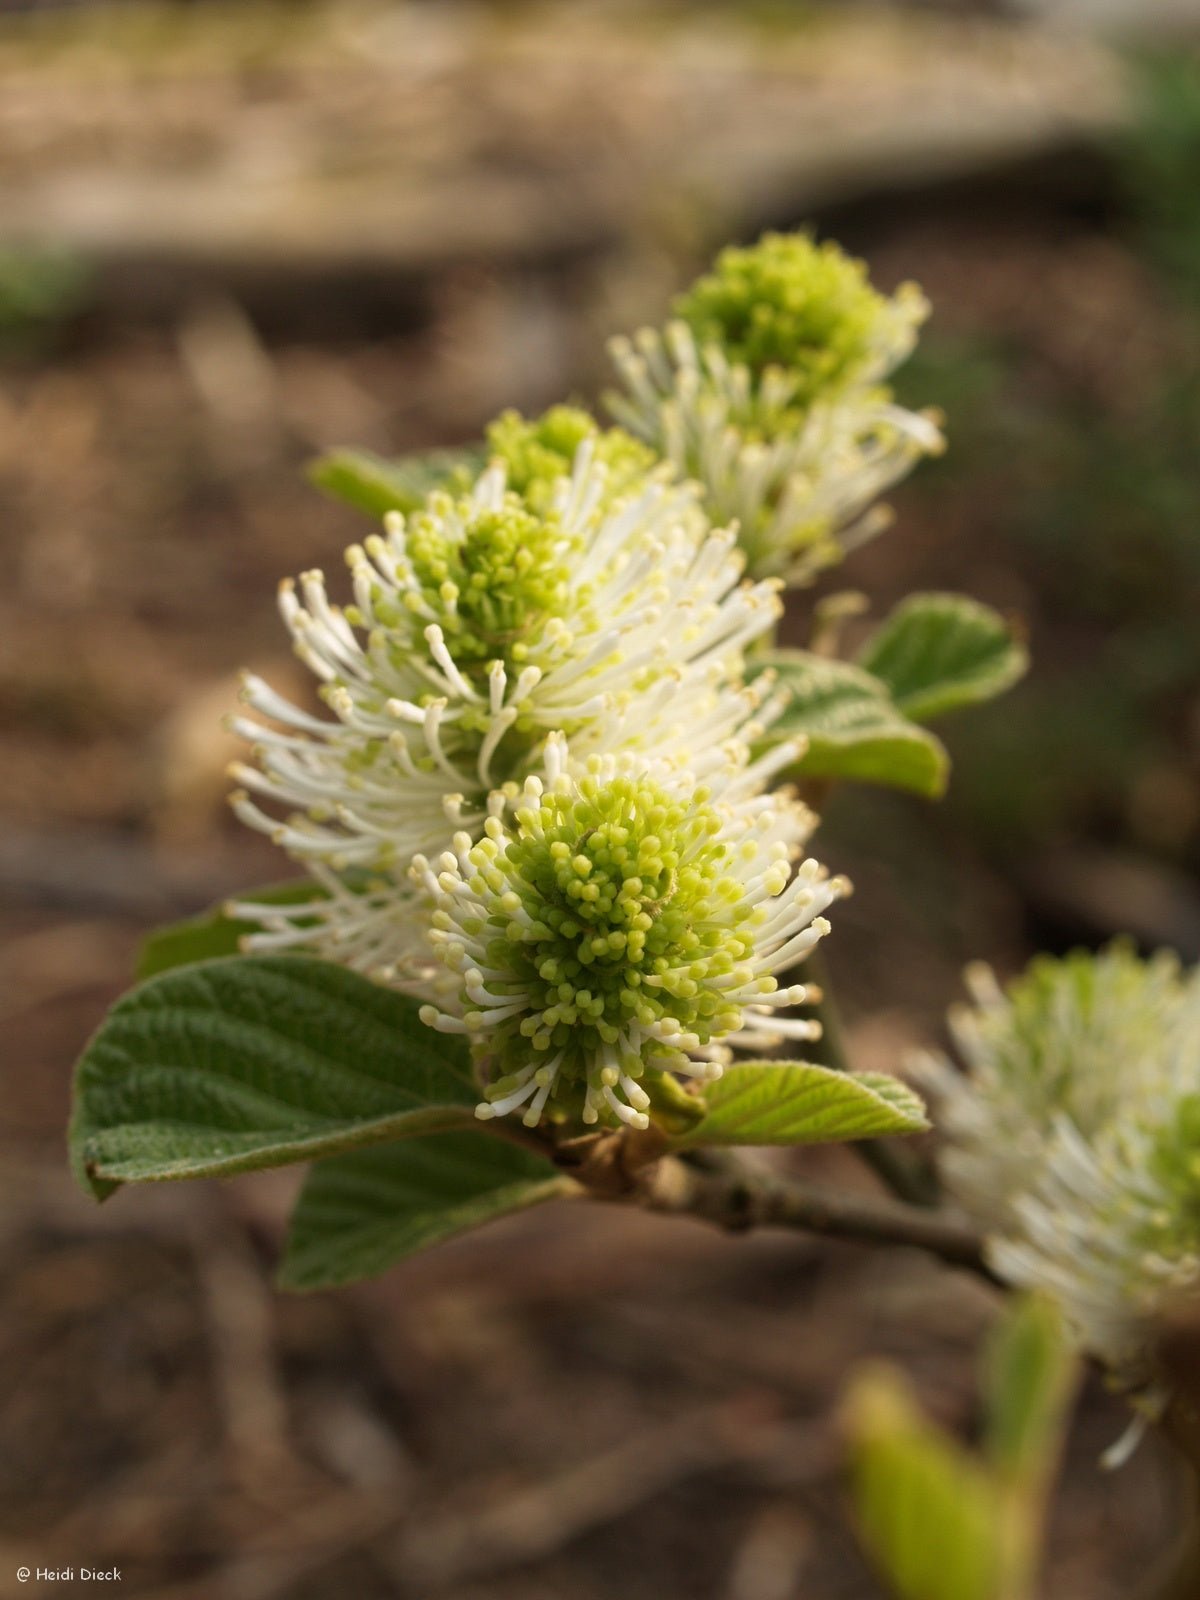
{"x": 274, "y": 232}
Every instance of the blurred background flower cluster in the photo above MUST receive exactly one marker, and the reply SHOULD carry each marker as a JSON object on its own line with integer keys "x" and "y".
{"x": 232, "y": 238}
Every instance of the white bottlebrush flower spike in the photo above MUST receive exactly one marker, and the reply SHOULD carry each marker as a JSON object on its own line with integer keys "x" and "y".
{"x": 1074, "y": 1139}
{"x": 481, "y": 625}
{"x": 623, "y": 922}
{"x": 768, "y": 388}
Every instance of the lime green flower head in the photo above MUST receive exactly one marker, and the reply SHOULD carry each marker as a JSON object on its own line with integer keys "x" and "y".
{"x": 539, "y": 452}
{"x": 624, "y": 921}
{"x": 806, "y": 308}
{"x": 768, "y": 388}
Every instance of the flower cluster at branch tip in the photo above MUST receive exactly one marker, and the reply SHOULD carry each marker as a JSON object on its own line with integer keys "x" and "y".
{"x": 480, "y": 625}
{"x": 1074, "y": 1139}
{"x": 768, "y": 387}
{"x": 623, "y": 923}
{"x": 532, "y": 801}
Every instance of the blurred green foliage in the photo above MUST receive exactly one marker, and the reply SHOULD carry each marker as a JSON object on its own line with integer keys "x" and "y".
{"x": 39, "y": 289}
{"x": 941, "y": 1522}
{"x": 1159, "y": 161}
{"x": 1092, "y": 495}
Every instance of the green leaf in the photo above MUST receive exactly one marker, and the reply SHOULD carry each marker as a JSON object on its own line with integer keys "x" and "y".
{"x": 937, "y": 652}
{"x": 931, "y": 1518}
{"x": 359, "y": 1214}
{"x": 376, "y": 485}
{"x": 254, "y": 1062}
{"x": 793, "y": 1102}
{"x": 854, "y": 729}
{"x": 943, "y": 1524}
{"x": 212, "y": 934}
{"x": 1029, "y": 1382}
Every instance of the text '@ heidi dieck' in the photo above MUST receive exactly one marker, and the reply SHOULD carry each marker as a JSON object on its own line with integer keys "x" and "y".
{"x": 69, "y": 1574}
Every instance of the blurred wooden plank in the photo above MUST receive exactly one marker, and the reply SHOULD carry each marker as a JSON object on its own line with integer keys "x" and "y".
{"x": 414, "y": 137}
{"x": 1142, "y": 20}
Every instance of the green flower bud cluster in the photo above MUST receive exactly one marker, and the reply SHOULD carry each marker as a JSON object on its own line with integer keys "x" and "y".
{"x": 790, "y": 303}
{"x": 539, "y": 452}
{"x": 769, "y": 389}
{"x": 608, "y": 911}
{"x": 490, "y": 577}
{"x": 616, "y": 924}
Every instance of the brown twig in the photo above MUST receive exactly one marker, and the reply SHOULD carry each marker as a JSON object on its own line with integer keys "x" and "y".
{"x": 740, "y": 1198}
{"x": 717, "y": 1186}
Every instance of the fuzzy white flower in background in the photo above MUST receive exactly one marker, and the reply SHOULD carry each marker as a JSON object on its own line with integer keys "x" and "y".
{"x": 768, "y": 388}
{"x": 624, "y": 921}
{"x": 1074, "y": 1139}
{"x": 480, "y": 625}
